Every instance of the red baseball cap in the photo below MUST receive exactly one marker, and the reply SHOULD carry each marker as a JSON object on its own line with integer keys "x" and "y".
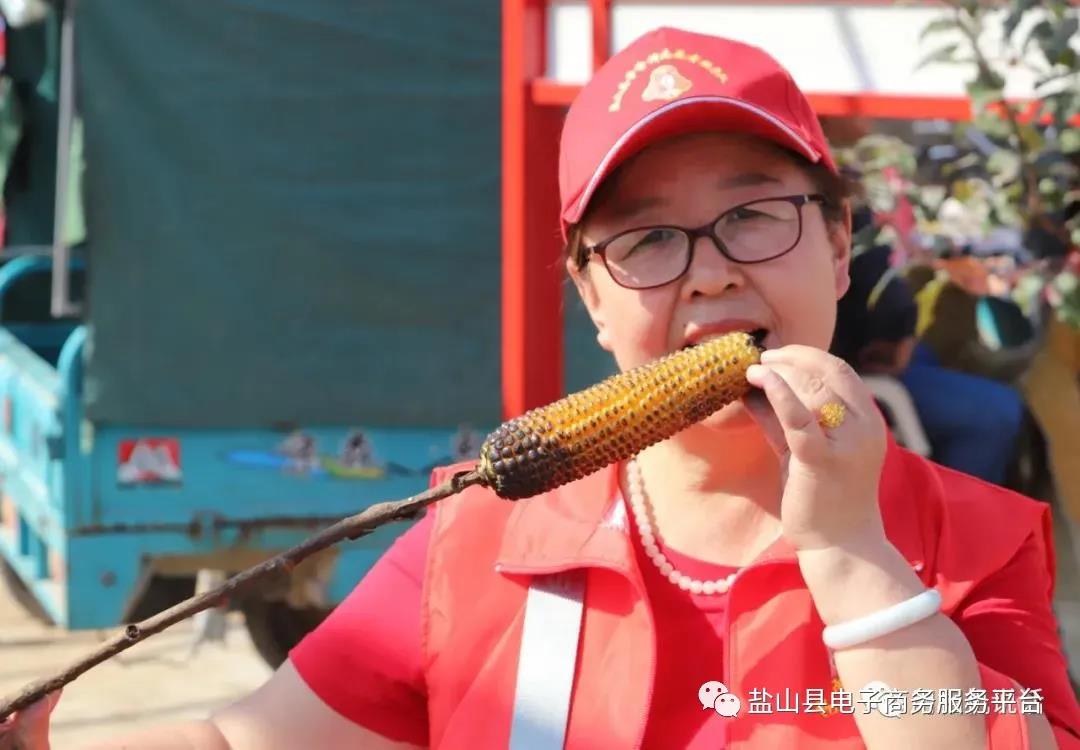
{"x": 672, "y": 82}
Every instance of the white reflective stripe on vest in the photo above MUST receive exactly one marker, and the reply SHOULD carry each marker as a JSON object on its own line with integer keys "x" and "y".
{"x": 546, "y": 662}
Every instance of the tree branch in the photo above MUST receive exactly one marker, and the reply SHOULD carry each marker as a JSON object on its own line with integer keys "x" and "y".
{"x": 1030, "y": 182}
{"x": 352, "y": 527}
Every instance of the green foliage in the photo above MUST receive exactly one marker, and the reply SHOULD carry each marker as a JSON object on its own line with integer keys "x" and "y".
{"x": 941, "y": 54}
{"x": 1065, "y": 296}
{"x": 1035, "y": 173}
{"x": 937, "y": 26}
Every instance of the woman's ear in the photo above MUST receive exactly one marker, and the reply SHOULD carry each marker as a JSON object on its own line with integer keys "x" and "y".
{"x": 840, "y": 238}
{"x": 591, "y": 299}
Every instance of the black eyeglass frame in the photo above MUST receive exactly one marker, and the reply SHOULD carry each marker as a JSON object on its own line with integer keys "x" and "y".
{"x": 707, "y": 230}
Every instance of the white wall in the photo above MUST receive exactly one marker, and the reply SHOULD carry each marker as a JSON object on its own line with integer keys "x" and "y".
{"x": 840, "y": 48}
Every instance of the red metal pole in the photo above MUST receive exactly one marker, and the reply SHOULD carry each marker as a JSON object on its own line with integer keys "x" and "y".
{"x": 532, "y": 277}
{"x": 601, "y": 32}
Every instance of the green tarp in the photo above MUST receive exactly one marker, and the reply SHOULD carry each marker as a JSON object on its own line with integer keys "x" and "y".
{"x": 293, "y": 213}
{"x": 29, "y": 116}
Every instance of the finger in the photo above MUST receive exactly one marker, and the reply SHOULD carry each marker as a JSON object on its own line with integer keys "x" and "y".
{"x": 757, "y": 404}
{"x": 31, "y": 726}
{"x": 817, "y": 397}
{"x": 11, "y": 732}
{"x": 832, "y": 371}
{"x": 811, "y": 370}
{"x": 812, "y": 390}
{"x": 798, "y": 421}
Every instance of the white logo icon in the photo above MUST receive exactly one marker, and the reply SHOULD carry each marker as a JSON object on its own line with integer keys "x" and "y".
{"x": 708, "y": 693}
{"x": 715, "y": 695}
{"x": 877, "y": 696}
{"x": 728, "y": 705}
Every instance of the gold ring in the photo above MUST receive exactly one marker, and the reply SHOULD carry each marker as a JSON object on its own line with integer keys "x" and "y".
{"x": 832, "y": 415}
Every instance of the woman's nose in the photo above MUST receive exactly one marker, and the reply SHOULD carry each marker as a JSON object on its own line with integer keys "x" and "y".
{"x": 711, "y": 272}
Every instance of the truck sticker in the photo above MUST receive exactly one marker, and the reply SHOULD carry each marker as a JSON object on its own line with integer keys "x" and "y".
{"x": 148, "y": 461}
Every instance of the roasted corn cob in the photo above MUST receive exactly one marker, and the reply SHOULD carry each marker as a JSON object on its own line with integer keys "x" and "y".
{"x": 616, "y": 418}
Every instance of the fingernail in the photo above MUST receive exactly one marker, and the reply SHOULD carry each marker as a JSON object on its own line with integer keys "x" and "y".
{"x": 768, "y": 356}
{"x": 756, "y": 374}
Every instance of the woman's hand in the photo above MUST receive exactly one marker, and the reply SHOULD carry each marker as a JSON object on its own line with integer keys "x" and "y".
{"x": 29, "y": 729}
{"x": 830, "y": 475}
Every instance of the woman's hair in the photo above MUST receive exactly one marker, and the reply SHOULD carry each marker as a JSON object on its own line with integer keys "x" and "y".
{"x": 838, "y": 189}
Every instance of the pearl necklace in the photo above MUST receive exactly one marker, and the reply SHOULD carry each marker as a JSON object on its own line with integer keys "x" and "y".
{"x": 636, "y": 486}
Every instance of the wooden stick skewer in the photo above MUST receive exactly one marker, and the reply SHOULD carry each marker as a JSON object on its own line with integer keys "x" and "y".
{"x": 353, "y": 527}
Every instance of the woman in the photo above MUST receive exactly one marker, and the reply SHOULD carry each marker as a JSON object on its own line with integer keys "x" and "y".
{"x": 706, "y": 568}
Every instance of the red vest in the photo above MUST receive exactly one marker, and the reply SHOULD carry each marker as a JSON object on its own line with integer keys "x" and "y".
{"x": 953, "y": 529}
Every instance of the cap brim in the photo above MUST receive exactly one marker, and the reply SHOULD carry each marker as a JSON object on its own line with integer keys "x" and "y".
{"x": 691, "y": 115}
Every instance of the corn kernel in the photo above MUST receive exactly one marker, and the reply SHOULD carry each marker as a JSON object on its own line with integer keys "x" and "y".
{"x": 615, "y": 419}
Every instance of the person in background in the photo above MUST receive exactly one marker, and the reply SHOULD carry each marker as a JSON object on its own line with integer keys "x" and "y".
{"x": 876, "y": 318}
{"x": 972, "y": 422}
{"x": 1052, "y": 383}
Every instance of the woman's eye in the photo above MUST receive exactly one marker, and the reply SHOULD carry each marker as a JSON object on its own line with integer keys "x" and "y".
{"x": 747, "y": 213}
{"x": 654, "y": 238}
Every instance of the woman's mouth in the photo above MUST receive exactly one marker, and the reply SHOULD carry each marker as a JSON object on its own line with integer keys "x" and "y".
{"x": 758, "y": 334}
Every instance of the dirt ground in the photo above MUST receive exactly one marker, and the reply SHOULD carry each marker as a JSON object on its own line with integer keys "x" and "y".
{"x": 152, "y": 683}
{"x": 159, "y": 681}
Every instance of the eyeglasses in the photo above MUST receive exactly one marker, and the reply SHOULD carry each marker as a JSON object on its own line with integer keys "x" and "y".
{"x": 754, "y": 232}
